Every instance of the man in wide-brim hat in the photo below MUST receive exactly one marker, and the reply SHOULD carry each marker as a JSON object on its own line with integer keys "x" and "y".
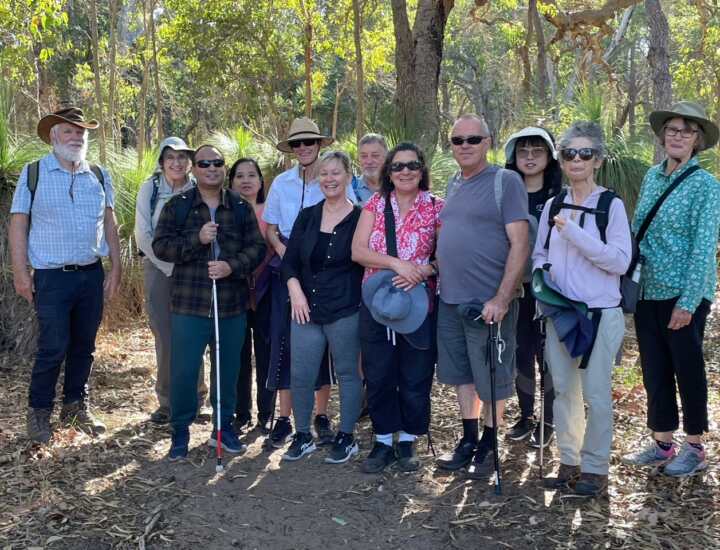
{"x": 73, "y": 227}
{"x": 679, "y": 281}
{"x": 290, "y": 192}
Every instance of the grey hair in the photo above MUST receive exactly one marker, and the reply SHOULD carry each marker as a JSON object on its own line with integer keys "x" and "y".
{"x": 588, "y": 130}
{"x": 699, "y": 142}
{"x": 477, "y": 118}
{"x": 367, "y": 139}
{"x": 340, "y": 156}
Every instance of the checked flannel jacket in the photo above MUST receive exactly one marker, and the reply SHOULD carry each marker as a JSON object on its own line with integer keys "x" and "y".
{"x": 241, "y": 246}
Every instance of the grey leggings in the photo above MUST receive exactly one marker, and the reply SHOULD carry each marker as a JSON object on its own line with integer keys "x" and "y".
{"x": 307, "y": 346}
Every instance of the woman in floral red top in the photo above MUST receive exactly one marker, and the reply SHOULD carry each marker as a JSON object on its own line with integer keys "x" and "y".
{"x": 398, "y": 371}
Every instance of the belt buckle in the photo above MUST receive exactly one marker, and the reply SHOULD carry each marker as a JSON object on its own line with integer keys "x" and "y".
{"x": 68, "y": 268}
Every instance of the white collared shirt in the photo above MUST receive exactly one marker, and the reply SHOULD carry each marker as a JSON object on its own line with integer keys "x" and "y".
{"x": 286, "y": 199}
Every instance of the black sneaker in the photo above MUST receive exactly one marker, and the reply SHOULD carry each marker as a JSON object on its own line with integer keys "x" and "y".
{"x": 407, "y": 459}
{"x": 344, "y": 448}
{"x": 302, "y": 444}
{"x": 160, "y": 415}
{"x": 323, "y": 429}
{"x": 279, "y": 434}
{"x": 459, "y": 458}
{"x": 521, "y": 429}
{"x": 535, "y": 437}
{"x": 483, "y": 463}
{"x": 380, "y": 457}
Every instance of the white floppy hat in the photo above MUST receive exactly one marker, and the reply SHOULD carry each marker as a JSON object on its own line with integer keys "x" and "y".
{"x": 530, "y": 131}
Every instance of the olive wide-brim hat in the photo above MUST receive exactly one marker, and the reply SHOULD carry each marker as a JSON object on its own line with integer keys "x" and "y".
{"x": 303, "y": 128}
{"x": 71, "y": 115}
{"x": 691, "y": 111}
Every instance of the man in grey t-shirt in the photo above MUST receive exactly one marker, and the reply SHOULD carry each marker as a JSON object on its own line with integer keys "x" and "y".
{"x": 482, "y": 251}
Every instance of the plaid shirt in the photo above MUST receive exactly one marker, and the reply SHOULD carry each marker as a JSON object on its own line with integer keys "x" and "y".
{"x": 242, "y": 247}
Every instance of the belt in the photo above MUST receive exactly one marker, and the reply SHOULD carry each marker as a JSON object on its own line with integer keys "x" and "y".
{"x": 76, "y": 267}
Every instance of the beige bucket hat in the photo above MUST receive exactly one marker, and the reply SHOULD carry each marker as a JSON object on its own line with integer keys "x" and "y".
{"x": 303, "y": 128}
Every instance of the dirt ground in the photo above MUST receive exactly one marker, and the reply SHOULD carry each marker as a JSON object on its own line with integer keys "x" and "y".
{"x": 118, "y": 491}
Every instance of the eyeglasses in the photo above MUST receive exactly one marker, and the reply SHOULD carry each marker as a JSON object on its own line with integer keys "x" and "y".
{"x": 585, "y": 153}
{"x": 217, "y": 163}
{"x": 534, "y": 152}
{"x": 685, "y": 133}
{"x": 413, "y": 166}
{"x": 296, "y": 143}
{"x": 472, "y": 140}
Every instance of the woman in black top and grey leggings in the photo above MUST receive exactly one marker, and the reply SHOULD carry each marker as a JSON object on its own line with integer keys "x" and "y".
{"x": 324, "y": 286}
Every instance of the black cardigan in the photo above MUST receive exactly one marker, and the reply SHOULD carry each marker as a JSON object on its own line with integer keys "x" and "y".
{"x": 334, "y": 291}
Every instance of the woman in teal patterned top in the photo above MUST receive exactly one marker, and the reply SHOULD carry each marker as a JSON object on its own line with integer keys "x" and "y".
{"x": 678, "y": 282}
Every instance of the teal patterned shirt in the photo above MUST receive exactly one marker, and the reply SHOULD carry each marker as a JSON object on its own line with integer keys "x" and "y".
{"x": 681, "y": 243}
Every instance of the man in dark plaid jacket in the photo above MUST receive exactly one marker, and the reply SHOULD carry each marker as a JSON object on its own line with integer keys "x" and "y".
{"x": 208, "y": 233}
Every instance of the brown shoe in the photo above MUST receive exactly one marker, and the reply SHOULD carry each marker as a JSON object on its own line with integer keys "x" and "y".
{"x": 78, "y": 415}
{"x": 566, "y": 478}
{"x": 38, "y": 425}
{"x": 591, "y": 485}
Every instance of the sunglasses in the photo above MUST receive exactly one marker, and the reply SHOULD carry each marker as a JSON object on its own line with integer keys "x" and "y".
{"x": 217, "y": 163}
{"x": 472, "y": 140}
{"x": 296, "y": 143}
{"x": 413, "y": 166}
{"x": 585, "y": 153}
{"x": 526, "y": 153}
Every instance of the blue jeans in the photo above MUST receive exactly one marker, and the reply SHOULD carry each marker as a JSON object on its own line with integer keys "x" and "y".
{"x": 69, "y": 306}
{"x": 191, "y": 335}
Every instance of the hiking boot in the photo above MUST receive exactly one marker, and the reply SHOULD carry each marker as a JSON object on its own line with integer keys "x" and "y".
{"x": 77, "y": 415}
{"x": 161, "y": 415}
{"x": 242, "y": 426}
{"x": 302, "y": 444}
{"x": 591, "y": 485}
{"x": 38, "y": 424}
{"x": 323, "y": 429}
{"x": 535, "y": 437}
{"x": 483, "y": 463}
{"x": 566, "y": 478}
{"x": 279, "y": 434}
{"x": 344, "y": 448}
{"x": 407, "y": 459}
{"x": 689, "y": 461}
{"x": 229, "y": 441}
{"x": 652, "y": 455}
{"x": 379, "y": 458}
{"x": 179, "y": 444}
{"x": 459, "y": 458}
{"x": 521, "y": 429}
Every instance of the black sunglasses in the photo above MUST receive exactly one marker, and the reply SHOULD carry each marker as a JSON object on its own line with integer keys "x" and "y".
{"x": 294, "y": 144}
{"x": 472, "y": 140}
{"x": 413, "y": 166}
{"x": 217, "y": 163}
{"x": 585, "y": 153}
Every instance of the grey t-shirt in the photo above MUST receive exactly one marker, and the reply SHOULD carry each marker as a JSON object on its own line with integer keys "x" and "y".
{"x": 473, "y": 246}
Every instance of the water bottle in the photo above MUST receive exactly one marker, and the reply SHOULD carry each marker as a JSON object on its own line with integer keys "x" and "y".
{"x": 638, "y": 269}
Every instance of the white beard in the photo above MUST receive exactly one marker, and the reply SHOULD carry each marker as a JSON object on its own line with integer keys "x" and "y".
{"x": 69, "y": 154}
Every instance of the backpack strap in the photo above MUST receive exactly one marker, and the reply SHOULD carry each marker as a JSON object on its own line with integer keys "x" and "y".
{"x": 498, "y": 189}
{"x": 390, "y": 241}
{"x": 184, "y": 202}
{"x": 602, "y": 213}
{"x": 555, "y": 207}
{"x": 95, "y": 169}
{"x": 154, "y": 196}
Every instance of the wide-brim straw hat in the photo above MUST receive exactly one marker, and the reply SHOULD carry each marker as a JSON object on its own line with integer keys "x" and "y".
{"x": 691, "y": 111}
{"x": 530, "y": 131}
{"x": 72, "y": 115}
{"x": 400, "y": 310}
{"x": 303, "y": 128}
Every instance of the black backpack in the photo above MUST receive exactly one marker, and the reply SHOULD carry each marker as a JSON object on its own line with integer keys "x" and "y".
{"x": 601, "y": 212}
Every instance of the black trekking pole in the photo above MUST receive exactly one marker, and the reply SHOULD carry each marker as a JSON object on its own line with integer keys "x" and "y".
{"x": 493, "y": 346}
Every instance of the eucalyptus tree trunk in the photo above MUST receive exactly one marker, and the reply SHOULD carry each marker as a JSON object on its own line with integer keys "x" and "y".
{"x": 98, "y": 85}
{"x": 418, "y": 54}
{"x": 359, "y": 75}
{"x": 114, "y": 9}
{"x": 156, "y": 74}
{"x": 659, "y": 60}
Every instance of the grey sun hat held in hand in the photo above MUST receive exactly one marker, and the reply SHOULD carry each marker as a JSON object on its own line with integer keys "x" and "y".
{"x": 400, "y": 310}
{"x": 530, "y": 131}
{"x": 303, "y": 128}
{"x": 690, "y": 111}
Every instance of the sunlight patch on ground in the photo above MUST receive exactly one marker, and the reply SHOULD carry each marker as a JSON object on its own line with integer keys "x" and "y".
{"x": 105, "y": 483}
